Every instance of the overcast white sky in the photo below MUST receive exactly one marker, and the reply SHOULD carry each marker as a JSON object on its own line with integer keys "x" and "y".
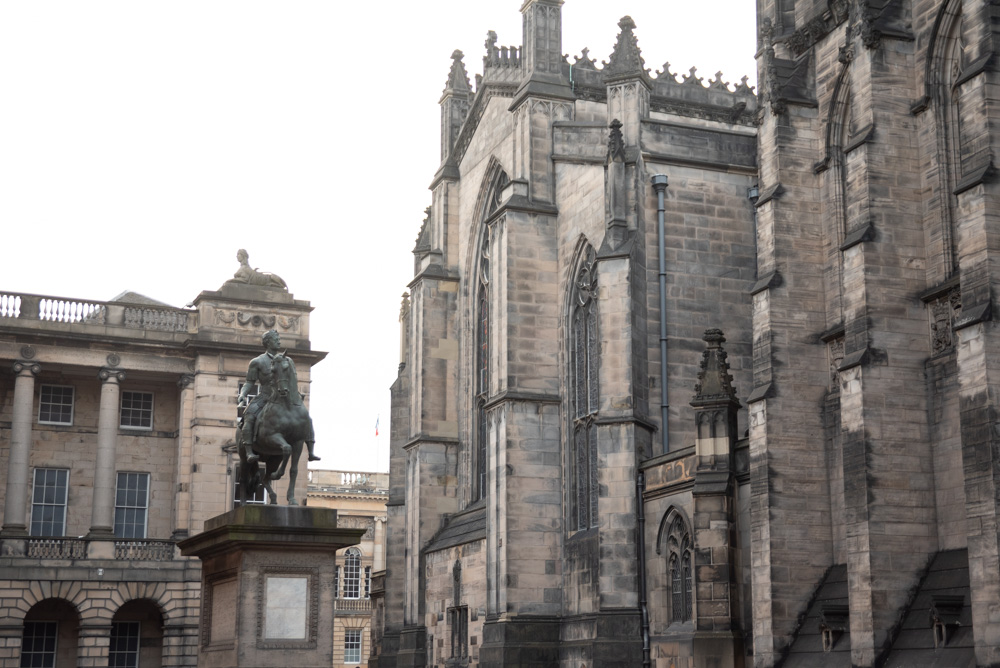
{"x": 142, "y": 143}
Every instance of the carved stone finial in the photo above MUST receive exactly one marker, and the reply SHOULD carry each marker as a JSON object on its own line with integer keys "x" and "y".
{"x": 616, "y": 142}
{"x": 584, "y": 61}
{"x": 458, "y": 78}
{"x": 714, "y": 381}
{"x": 692, "y": 76}
{"x": 492, "y": 52}
{"x": 717, "y": 82}
{"x": 626, "y": 58}
{"x": 665, "y": 73}
{"x": 404, "y": 307}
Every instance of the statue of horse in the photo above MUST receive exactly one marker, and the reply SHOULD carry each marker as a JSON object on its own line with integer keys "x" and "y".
{"x": 283, "y": 427}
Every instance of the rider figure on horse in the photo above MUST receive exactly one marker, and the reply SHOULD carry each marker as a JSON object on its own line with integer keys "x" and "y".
{"x": 260, "y": 372}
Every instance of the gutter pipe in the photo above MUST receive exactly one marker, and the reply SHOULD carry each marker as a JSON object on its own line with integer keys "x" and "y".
{"x": 660, "y": 186}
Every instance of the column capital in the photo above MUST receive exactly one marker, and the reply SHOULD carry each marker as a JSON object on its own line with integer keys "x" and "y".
{"x": 21, "y": 367}
{"x": 185, "y": 381}
{"x": 107, "y": 374}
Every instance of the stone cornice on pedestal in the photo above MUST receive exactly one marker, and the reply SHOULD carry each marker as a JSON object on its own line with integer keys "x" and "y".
{"x": 287, "y": 527}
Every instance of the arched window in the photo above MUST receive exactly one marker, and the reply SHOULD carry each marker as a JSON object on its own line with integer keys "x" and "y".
{"x": 483, "y": 322}
{"x": 352, "y": 573}
{"x": 679, "y": 570}
{"x": 584, "y": 389}
{"x": 482, "y": 364}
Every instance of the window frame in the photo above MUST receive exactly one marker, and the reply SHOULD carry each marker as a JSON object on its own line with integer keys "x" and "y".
{"x": 251, "y": 501}
{"x": 126, "y": 507}
{"x": 680, "y": 571}
{"x": 130, "y": 657}
{"x": 352, "y": 574}
{"x": 43, "y": 403}
{"x": 141, "y": 411}
{"x": 37, "y": 506}
{"x": 584, "y": 390}
{"x": 49, "y": 660}
{"x": 359, "y": 633}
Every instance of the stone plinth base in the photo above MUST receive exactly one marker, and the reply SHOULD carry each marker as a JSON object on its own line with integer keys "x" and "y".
{"x": 267, "y": 594}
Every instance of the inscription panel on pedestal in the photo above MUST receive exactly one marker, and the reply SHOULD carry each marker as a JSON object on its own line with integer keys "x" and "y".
{"x": 287, "y": 607}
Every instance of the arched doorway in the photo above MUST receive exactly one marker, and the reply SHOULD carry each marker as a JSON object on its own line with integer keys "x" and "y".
{"x": 136, "y": 636}
{"x": 51, "y": 635}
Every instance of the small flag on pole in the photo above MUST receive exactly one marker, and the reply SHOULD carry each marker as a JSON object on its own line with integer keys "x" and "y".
{"x": 376, "y": 424}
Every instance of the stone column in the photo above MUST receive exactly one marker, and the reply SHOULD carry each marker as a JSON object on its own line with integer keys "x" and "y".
{"x": 185, "y": 444}
{"x": 102, "y": 514}
{"x": 14, "y": 514}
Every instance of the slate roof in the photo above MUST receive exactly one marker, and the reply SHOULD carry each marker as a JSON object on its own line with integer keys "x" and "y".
{"x": 464, "y": 527}
{"x": 913, "y": 647}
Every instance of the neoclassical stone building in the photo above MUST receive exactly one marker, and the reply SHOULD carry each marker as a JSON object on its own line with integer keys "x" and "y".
{"x": 359, "y": 499}
{"x": 694, "y": 375}
{"x": 117, "y": 425}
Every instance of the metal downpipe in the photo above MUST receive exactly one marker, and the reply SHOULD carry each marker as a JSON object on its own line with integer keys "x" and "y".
{"x": 640, "y": 487}
{"x": 660, "y": 186}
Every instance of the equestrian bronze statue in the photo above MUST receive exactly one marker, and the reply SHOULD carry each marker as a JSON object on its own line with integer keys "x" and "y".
{"x": 274, "y": 424}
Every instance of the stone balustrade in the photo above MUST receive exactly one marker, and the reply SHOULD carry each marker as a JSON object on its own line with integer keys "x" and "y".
{"x": 353, "y": 605}
{"x": 81, "y": 548}
{"x": 47, "y": 308}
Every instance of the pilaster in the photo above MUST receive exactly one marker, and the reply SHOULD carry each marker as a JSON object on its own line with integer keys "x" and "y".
{"x": 185, "y": 444}
{"x": 15, "y": 508}
{"x": 102, "y": 513}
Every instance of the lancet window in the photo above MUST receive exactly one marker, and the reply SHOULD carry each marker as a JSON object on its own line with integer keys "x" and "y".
{"x": 482, "y": 380}
{"x": 483, "y": 324}
{"x": 584, "y": 389}
{"x": 679, "y": 570}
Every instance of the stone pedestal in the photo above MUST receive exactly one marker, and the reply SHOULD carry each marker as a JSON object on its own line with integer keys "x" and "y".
{"x": 267, "y": 586}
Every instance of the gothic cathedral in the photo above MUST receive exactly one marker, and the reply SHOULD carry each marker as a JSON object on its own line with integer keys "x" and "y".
{"x": 694, "y": 374}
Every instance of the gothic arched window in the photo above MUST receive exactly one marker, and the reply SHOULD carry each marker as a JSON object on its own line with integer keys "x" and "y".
{"x": 483, "y": 323}
{"x": 679, "y": 570}
{"x": 482, "y": 380}
{"x": 584, "y": 389}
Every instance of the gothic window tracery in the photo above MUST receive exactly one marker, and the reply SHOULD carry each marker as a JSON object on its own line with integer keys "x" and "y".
{"x": 585, "y": 390}
{"x": 679, "y": 570}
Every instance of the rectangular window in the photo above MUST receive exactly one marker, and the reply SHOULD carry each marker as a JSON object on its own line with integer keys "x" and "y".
{"x": 48, "y": 502}
{"x": 137, "y": 410}
{"x": 131, "y": 505}
{"x": 458, "y": 618}
{"x": 55, "y": 405}
{"x": 38, "y": 645}
{"x": 259, "y": 497}
{"x": 368, "y": 581}
{"x": 124, "y": 649}
{"x": 352, "y": 646}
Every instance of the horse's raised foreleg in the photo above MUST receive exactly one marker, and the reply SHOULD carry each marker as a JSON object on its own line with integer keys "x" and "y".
{"x": 286, "y": 452}
{"x": 293, "y": 473}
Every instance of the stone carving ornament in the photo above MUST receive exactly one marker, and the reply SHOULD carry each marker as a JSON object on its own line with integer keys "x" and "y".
{"x": 250, "y": 276}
